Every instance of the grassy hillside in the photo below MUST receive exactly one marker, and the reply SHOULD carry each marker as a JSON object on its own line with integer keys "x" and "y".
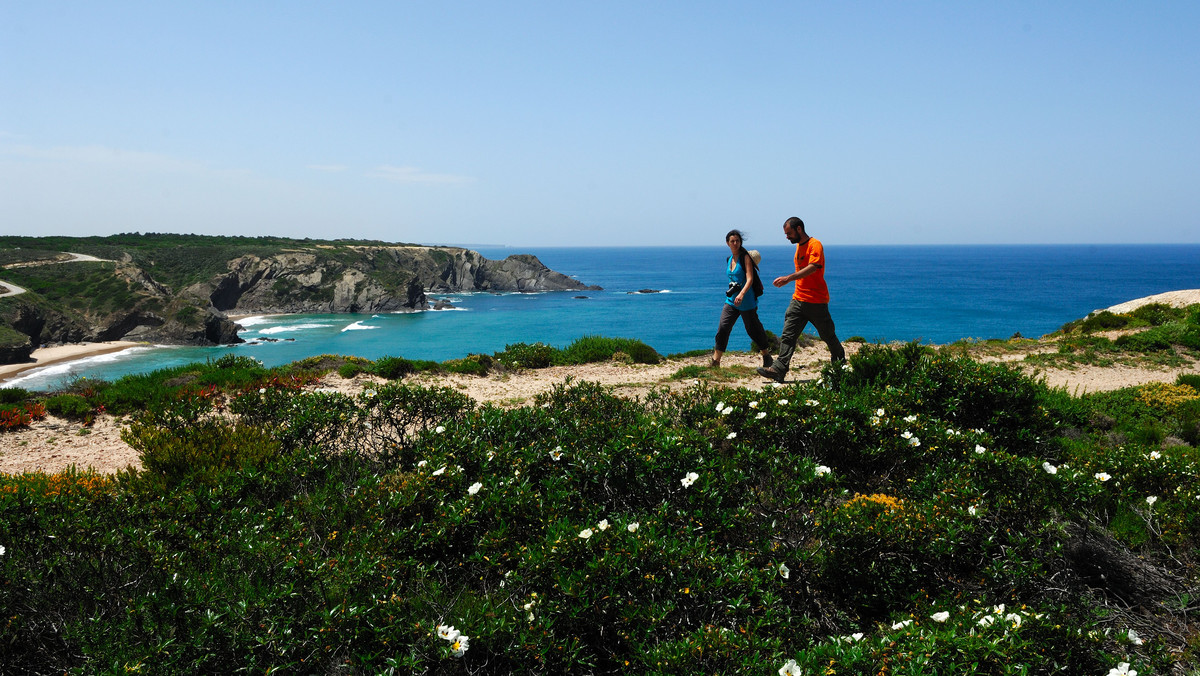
{"x": 914, "y": 512}
{"x": 174, "y": 260}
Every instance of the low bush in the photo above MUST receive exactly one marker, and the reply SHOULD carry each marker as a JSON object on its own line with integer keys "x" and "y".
{"x": 472, "y": 364}
{"x": 13, "y": 395}
{"x": 392, "y": 368}
{"x": 526, "y": 356}
{"x": 591, "y": 349}
{"x": 71, "y": 406}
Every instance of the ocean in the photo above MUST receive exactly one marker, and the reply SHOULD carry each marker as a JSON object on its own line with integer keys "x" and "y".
{"x": 934, "y": 294}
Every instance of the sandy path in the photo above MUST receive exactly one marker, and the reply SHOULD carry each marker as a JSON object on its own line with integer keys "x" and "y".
{"x": 54, "y": 444}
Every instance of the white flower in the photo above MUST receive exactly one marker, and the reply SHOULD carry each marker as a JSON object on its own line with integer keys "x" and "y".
{"x": 460, "y": 645}
{"x": 690, "y": 479}
{"x": 439, "y": 429}
{"x": 731, "y": 435}
{"x": 475, "y": 488}
{"x": 1155, "y": 455}
{"x": 720, "y": 405}
{"x": 986, "y": 620}
{"x": 632, "y": 528}
{"x": 422, "y": 463}
{"x": 262, "y": 390}
{"x": 880, "y": 412}
{"x": 368, "y": 392}
{"x": 998, "y": 609}
{"x": 447, "y": 632}
{"x": 910, "y": 418}
{"x": 753, "y": 404}
{"x": 783, "y": 402}
{"x": 940, "y": 617}
{"x": 556, "y": 454}
{"x": 727, "y": 410}
{"x": 790, "y": 668}
{"x": 2, "y": 550}
{"x": 901, "y": 625}
{"x": 1050, "y": 469}
{"x": 971, "y": 510}
{"x": 1134, "y": 638}
{"x": 784, "y": 572}
{"x": 857, "y": 636}
{"x": 1151, "y": 500}
{"x": 980, "y": 449}
{"x": 1014, "y": 618}
{"x": 822, "y": 469}
{"x": 1122, "y": 669}
{"x": 813, "y": 402}
{"x": 439, "y": 472}
{"x": 1102, "y": 476}
{"x": 761, "y": 415}
{"x": 585, "y": 533}
{"x": 875, "y": 421}
{"x": 912, "y": 440}
{"x": 950, "y": 432}
{"x": 603, "y": 525}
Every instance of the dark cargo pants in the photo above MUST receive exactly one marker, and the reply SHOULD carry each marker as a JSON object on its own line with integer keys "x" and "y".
{"x": 799, "y": 315}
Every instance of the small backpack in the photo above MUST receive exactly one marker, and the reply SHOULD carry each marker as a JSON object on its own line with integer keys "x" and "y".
{"x": 757, "y": 286}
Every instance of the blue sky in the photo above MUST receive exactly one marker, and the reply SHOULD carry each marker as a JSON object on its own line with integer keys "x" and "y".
{"x": 605, "y": 123}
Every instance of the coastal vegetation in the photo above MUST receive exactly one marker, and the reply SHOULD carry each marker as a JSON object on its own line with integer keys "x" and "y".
{"x": 913, "y": 511}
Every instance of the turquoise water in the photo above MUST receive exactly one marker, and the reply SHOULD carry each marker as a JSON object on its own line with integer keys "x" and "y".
{"x": 931, "y": 293}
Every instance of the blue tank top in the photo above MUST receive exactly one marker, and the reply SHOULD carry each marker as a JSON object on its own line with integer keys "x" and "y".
{"x": 738, "y": 275}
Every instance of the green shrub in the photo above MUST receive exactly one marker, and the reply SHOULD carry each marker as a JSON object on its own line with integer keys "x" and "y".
{"x": 1099, "y": 321}
{"x": 592, "y": 349}
{"x": 200, "y": 452}
{"x": 13, "y": 395}
{"x": 1157, "y": 314}
{"x": 392, "y": 368}
{"x": 526, "y": 356}
{"x": 349, "y": 370}
{"x": 472, "y": 364}
{"x": 71, "y": 406}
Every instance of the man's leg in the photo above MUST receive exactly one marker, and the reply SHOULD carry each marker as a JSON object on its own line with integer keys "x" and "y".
{"x": 794, "y": 322}
{"x": 818, "y": 314}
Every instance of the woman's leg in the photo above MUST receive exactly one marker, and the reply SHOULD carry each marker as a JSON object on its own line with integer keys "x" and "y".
{"x": 729, "y": 315}
{"x": 758, "y": 334}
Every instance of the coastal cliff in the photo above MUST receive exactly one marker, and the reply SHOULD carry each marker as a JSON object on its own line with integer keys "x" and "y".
{"x": 181, "y": 289}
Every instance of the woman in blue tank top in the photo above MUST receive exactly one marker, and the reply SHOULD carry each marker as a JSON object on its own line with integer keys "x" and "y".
{"x": 740, "y": 301}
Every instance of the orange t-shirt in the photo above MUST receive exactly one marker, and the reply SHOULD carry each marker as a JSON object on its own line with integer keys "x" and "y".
{"x": 811, "y": 289}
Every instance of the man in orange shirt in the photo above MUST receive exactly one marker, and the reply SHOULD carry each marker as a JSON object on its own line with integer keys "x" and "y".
{"x": 810, "y": 302}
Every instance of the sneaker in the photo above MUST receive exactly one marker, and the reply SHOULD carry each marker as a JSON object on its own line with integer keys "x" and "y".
{"x": 714, "y": 364}
{"x": 772, "y": 374}
{"x": 767, "y": 361}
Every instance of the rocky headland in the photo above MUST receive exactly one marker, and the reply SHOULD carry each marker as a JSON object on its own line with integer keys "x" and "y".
{"x": 186, "y": 293}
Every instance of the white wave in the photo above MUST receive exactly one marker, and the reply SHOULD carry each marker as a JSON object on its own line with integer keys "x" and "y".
{"x": 247, "y": 322}
{"x": 291, "y": 327}
{"x": 358, "y": 326}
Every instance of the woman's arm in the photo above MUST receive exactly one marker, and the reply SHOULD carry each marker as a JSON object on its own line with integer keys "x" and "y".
{"x": 748, "y": 266}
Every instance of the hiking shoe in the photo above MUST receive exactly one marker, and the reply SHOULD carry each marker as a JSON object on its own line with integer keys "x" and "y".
{"x": 771, "y": 374}
{"x": 767, "y": 361}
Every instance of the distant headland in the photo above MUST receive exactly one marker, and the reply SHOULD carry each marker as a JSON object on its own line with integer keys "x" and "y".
{"x": 182, "y": 289}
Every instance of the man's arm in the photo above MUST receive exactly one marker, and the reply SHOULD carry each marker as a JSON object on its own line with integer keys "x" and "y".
{"x": 799, "y": 274}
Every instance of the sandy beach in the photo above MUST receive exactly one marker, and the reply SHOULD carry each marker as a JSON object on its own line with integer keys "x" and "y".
{"x": 45, "y": 356}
